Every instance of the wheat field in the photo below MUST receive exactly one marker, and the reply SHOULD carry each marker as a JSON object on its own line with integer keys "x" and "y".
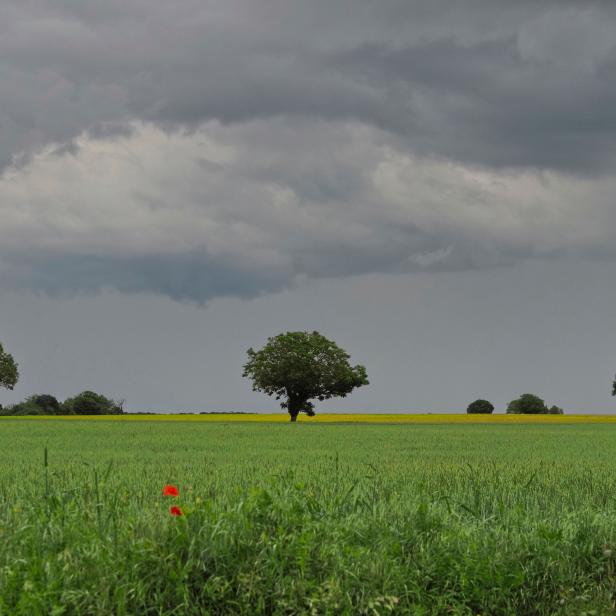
{"x": 425, "y": 517}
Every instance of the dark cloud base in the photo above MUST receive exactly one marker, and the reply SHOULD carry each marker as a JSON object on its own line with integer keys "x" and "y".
{"x": 195, "y": 277}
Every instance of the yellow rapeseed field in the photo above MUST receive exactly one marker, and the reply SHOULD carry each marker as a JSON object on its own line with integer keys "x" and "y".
{"x": 371, "y": 418}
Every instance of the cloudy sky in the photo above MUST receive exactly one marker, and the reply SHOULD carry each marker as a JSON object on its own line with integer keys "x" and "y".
{"x": 431, "y": 184}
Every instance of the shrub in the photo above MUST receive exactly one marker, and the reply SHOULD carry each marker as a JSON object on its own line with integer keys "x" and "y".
{"x": 527, "y": 404}
{"x": 27, "y": 407}
{"x": 85, "y": 403}
{"x": 480, "y": 407}
{"x": 555, "y": 410}
{"x": 38, "y": 404}
{"x": 91, "y": 403}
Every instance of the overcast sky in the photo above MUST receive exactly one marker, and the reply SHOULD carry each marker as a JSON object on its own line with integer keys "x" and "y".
{"x": 430, "y": 184}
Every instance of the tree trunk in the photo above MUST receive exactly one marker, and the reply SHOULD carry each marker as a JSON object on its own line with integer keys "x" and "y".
{"x": 294, "y": 405}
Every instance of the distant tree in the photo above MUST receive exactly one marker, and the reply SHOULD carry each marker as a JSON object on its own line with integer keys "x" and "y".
{"x": 86, "y": 403}
{"x": 27, "y": 407}
{"x": 38, "y": 404}
{"x": 527, "y": 404}
{"x": 300, "y": 366}
{"x": 47, "y": 403}
{"x": 91, "y": 403}
{"x": 480, "y": 407}
{"x": 9, "y": 374}
{"x": 555, "y": 410}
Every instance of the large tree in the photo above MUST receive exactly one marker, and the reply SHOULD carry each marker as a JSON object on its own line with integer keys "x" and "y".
{"x": 300, "y": 366}
{"x": 9, "y": 375}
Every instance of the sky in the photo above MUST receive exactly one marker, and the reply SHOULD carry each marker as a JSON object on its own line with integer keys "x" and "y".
{"x": 431, "y": 185}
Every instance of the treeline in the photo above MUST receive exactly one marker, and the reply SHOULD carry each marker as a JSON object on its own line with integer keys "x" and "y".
{"x": 526, "y": 404}
{"x": 85, "y": 403}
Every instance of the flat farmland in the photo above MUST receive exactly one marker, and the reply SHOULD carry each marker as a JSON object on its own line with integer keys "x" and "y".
{"x": 496, "y": 516}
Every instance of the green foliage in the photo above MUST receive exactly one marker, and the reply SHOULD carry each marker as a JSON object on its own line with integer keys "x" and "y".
{"x": 555, "y": 410}
{"x": 38, "y": 404}
{"x": 528, "y": 404}
{"x": 27, "y": 407}
{"x": 91, "y": 403}
{"x": 9, "y": 373}
{"x": 300, "y": 366}
{"x": 482, "y": 407}
{"x": 444, "y": 519}
{"x": 85, "y": 403}
{"x": 47, "y": 403}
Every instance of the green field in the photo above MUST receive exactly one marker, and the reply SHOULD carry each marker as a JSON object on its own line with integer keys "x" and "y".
{"x": 314, "y": 519}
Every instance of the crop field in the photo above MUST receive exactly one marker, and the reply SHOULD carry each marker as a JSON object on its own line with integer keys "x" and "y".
{"x": 425, "y": 517}
{"x": 342, "y": 418}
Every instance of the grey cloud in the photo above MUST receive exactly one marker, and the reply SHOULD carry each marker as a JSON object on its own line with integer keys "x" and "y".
{"x": 255, "y": 209}
{"x": 482, "y": 104}
{"x": 252, "y": 208}
{"x": 188, "y": 277}
{"x": 232, "y": 148}
{"x": 464, "y": 81}
{"x": 573, "y": 39}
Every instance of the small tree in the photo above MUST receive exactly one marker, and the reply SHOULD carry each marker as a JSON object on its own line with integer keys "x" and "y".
{"x": 47, "y": 403}
{"x": 38, "y": 404}
{"x": 9, "y": 375}
{"x": 300, "y": 366}
{"x": 555, "y": 410}
{"x": 482, "y": 407}
{"x": 27, "y": 407}
{"x": 91, "y": 403}
{"x": 527, "y": 404}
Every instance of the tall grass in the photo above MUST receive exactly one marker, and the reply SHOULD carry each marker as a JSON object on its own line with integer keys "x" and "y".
{"x": 311, "y": 519}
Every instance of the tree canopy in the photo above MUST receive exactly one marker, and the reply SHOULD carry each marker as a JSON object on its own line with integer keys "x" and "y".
{"x": 482, "y": 407}
{"x": 300, "y": 366}
{"x": 91, "y": 403}
{"x": 38, "y": 404}
{"x": 9, "y": 374}
{"x": 85, "y": 403}
{"x": 527, "y": 404}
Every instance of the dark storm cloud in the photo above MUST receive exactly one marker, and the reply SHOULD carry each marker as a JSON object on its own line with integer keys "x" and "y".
{"x": 190, "y": 277}
{"x": 473, "y": 81}
{"x": 482, "y": 104}
{"x": 200, "y": 149}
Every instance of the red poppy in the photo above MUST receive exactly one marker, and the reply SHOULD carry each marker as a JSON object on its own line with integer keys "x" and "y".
{"x": 175, "y": 510}
{"x": 169, "y": 490}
